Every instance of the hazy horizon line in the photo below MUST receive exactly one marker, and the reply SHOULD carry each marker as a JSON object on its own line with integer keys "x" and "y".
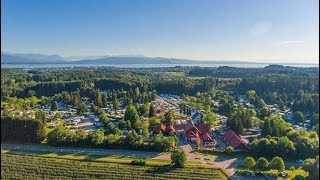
{"x": 141, "y": 55}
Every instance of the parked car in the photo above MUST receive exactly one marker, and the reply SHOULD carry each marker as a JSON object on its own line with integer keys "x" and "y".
{"x": 282, "y": 174}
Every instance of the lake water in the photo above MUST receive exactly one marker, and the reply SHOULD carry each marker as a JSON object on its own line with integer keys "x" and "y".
{"x": 240, "y": 65}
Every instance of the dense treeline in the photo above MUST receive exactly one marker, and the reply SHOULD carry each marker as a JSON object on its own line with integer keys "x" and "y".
{"x": 22, "y": 130}
{"x": 285, "y": 84}
{"x": 284, "y": 141}
{"x": 61, "y": 136}
{"x": 233, "y": 72}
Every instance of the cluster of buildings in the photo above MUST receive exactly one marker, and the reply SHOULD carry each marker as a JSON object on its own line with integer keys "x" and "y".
{"x": 288, "y": 116}
{"x": 166, "y": 102}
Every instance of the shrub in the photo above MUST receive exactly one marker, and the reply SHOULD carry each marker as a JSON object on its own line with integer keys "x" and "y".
{"x": 262, "y": 163}
{"x": 178, "y": 158}
{"x": 312, "y": 167}
{"x": 138, "y": 162}
{"x": 249, "y": 163}
{"x": 229, "y": 149}
{"x": 277, "y": 163}
{"x": 292, "y": 168}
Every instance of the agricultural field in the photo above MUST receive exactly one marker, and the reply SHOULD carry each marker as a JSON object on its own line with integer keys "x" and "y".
{"x": 24, "y": 166}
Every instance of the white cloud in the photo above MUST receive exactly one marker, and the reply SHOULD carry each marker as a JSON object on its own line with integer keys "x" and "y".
{"x": 260, "y": 28}
{"x": 290, "y": 42}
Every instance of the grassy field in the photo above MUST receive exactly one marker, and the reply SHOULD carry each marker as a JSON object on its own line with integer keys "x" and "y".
{"x": 31, "y": 165}
{"x": 176, "y": 73}
{"x": 290, "y": 174}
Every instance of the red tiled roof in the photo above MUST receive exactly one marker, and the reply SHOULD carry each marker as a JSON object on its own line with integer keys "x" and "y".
{"x": 191, "y": 134}
{"x": 229, "y": 135}
{"x": 206, "y": 137}
{"x": 160, "y": 110}
{"x": 233, "y": 140}
{"x": 189, "y": 126}
{"x": 158, "y": 127}
{"x": 203, "y": 128}
{"x": 170, "y": 128}
{"x": 161, "y": 127}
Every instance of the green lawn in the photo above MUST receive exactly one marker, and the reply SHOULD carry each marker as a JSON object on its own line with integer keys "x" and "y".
{"x": 290, "y": 174}
{"x": 176, "y": 73}
{"x": 36, "y": 165}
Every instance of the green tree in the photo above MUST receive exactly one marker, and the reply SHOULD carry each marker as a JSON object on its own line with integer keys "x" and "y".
{"x": 97, "y": 98}
{"x": 178, "y": 158}
{"x": 145, "y": 132}
{"x": 211, "y": 118}
{"x": 225, "y": 108}
{"x": 132, "y": 139}
{"x": 312, "y": 167}
{"x": 111, "y": 129}
{"x": 262, "y": 164}
{"x": 249, "y": 162}
{"x": 315, "y": 118}
{"x": 266, "y": 128}
{"x": 96, "y": 138}
{"x": 104, "y": 101}
{"x": 131, "y": 115}
{"x": 81, "y": 109}
{"x": 80, "y": 137}
{"x": 116, "y": 104}
{"x": 41, "y": 116}
{"x": 58, "y": 136}
{"x": 143, "y": 109}
{"x": 285, "y": 147}
{"x": 292, "y": 168}
{"x": 58, "y": 115}
{"x": 31, "y": 93}
{"x": 152, "y": 111}
{"x": 169, "y": 120}
{"x": 103, "y": 118}
{"x": 298, "y": 116}
{"x": 277, "y": 163}
{"x": 264, "y": 112}
{"x": 54, "y": 106}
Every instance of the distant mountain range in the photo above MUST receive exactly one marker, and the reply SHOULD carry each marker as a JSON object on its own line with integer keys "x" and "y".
{"x": 17, "y": 58}
{"x": 11, "y": 58}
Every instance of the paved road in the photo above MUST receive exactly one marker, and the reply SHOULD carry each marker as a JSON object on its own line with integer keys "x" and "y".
{"x": 141, "y": 154}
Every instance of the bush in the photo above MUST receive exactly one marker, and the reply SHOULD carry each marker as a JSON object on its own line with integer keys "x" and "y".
{"x": 312, "y": 167}
{"x": 178, "y": 158}
{"x": 249, "y": 163}
{"x": 138, "y": 162}
{"x": 262, "y": 164}
{"x": 292, "y": 168}
{"x": 229, "y": 149}
{"x": 277, "y": 163}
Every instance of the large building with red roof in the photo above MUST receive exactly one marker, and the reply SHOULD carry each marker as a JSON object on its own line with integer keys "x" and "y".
{"x": 197, "y": 132}
{"x": 234, "y": 141}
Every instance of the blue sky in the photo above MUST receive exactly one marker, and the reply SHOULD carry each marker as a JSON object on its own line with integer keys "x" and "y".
{"x": 249, "y": 30}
